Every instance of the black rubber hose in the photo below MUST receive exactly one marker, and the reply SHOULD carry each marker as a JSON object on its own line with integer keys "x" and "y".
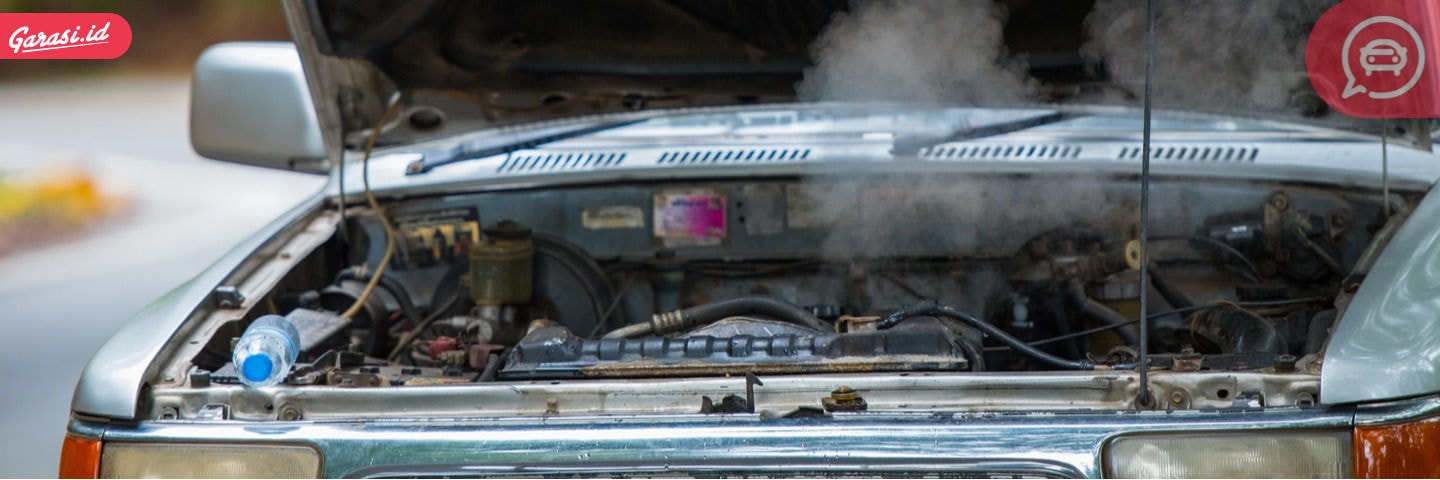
{"x": 934, "y": 309}
{"x": 1167, "y": 290}
{"x": 1098, "y": 311}
{"x": 755, "y": 305}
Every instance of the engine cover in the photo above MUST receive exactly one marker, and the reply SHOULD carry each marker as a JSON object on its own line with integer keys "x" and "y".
{"x": 735, "y": 347}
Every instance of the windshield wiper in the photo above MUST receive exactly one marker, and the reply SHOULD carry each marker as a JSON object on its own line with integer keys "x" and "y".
{"x": 508, "y": 143}
{"x": 907, "y": 146}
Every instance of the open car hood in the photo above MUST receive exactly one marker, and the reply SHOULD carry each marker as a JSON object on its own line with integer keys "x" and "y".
{"x": 460, "y": 66}
{"x": 467, "y": 65}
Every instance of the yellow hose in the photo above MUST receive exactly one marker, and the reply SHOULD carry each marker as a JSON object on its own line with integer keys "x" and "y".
{"x": 374, "y": 206}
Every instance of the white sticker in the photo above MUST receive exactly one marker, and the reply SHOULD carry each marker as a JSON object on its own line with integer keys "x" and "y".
{"x": 601, "y": 218}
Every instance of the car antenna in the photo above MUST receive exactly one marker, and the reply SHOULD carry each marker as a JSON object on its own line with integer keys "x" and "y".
{"x": 1143, "y": 397}
{"x": 1385, "y": 165}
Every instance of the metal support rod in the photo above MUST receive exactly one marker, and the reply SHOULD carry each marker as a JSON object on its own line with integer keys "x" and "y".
{"x": 1385, "y": 165}
{"x": 1143, "y": 397}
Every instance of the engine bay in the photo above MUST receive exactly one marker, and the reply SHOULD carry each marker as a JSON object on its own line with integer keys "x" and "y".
{"x": 752, "y": 278}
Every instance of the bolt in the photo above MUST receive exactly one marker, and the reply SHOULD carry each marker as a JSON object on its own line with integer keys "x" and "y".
{"x": 1268, "y": 268}
{"x": 1177, "y": 398}
{"x": 1340, "y": 219}
{"x": 289, "y": 413}
{"x": 844, "y": 394}
{"x": 552, "y": 406}
{"x": 1285, "y": 363}
{"x": 1280, "y": 200}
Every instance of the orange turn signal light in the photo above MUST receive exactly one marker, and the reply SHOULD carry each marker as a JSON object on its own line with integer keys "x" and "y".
{"x": 1402, "y": 450}
{"x": 80, "y": 457}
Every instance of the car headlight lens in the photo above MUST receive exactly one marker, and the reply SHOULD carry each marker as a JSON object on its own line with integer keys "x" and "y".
{"x": 160, "y": 460}
{"x": 1231, "y": 455}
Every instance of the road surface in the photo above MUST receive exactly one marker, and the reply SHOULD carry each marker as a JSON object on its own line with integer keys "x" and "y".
{"x": 59, "y": 302}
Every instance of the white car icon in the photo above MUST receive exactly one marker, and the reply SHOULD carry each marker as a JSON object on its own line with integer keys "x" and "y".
{"x": 1383, "y": 55}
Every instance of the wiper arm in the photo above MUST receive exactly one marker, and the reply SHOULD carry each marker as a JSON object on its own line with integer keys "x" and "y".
{"x": 519, "y": 141}
{"x": 905, "y": 146}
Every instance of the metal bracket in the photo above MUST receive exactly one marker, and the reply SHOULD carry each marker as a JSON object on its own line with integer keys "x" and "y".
{"x": 228, "y": 297}
{"x": 213, "y": 412}
{"x": 750, "y": 382}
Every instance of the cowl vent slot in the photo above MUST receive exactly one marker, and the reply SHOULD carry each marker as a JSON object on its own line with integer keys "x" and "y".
{"x": 748, "y": 155}
{"x": 1000, "y": 151}
{"x": 1194, "y": 153}
{"x": 550, "y": 162}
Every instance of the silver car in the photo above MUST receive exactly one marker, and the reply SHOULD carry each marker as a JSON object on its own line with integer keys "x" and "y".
{"x": 603, "y": 239}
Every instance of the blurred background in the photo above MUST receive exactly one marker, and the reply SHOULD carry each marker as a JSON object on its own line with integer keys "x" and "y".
{"x": 104, "y": 206}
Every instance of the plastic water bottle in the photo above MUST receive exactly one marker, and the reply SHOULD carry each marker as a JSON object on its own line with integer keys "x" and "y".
{"x": 266, "y": 351}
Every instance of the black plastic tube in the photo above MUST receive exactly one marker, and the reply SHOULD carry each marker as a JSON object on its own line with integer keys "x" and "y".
{"x": 708, "y": 313}
{"x": 934, "y": 309}
{"x": 754, "y": 305}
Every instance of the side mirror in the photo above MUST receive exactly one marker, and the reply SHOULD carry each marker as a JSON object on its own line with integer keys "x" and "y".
{"x": 250, "y": 104}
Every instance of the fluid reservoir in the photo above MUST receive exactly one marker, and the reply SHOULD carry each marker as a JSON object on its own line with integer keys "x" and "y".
{"x": 501, "y": 265}
{"x": 1120, "y": 292}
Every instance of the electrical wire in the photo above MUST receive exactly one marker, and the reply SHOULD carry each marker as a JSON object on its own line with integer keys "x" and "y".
{"x": 404, "y": 341}
{"x": 375, "y": 207}
{"x": 725, "y": 271}
{"x": 1178, "y": 311}
{"x": 604, "y": 321}
{"x": 1222, "y": 246}
{"x": 910, "y": 289}
{"x": 930, "y": 308}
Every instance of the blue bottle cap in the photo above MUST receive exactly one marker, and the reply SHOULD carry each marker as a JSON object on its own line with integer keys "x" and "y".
{"x": 257, "y": 368}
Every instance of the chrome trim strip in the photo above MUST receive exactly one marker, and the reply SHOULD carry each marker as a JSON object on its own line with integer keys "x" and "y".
{"x": 1051, "y": 443}
{"x": 1397, "y": 411}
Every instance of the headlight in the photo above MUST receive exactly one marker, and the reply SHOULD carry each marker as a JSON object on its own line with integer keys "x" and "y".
{"x": 162, "y": 460}
{"x": 1231, "y": 455}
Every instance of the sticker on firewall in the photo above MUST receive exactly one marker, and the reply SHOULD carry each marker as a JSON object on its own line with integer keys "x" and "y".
{"x": 690, "y": 218}
{"x": 603, "y": 218}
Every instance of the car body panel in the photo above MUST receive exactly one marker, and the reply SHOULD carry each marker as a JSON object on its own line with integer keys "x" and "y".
{"x": 1387, "y": 343}
{"x": 111, "y": 382}
{"x": 725, "y": 141}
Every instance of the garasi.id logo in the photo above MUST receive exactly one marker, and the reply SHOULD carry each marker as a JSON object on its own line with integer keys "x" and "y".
{"x": 63, "y": 35}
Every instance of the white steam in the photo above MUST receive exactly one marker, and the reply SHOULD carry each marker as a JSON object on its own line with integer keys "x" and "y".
{"x": 1244, "y": 55}
{"x": 916, "y": 50}
{"x": 1236, "y": 55}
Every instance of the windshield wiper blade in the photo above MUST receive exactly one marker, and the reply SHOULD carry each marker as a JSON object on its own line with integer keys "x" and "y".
{"x": 501, "y": 144}
{"x": 906, "y": 146}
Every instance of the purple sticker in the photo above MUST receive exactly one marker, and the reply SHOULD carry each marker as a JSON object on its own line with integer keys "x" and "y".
{"x": 691, "y": 215}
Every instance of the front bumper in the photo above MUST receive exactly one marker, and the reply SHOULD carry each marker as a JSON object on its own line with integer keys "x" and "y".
{"x": 1047, "y": 444}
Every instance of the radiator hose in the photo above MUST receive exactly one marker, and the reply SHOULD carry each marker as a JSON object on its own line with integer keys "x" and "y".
{"x": 678, "y": 320}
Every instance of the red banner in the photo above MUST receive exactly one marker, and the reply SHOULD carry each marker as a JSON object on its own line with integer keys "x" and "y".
{"x": 63, "y": 35}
